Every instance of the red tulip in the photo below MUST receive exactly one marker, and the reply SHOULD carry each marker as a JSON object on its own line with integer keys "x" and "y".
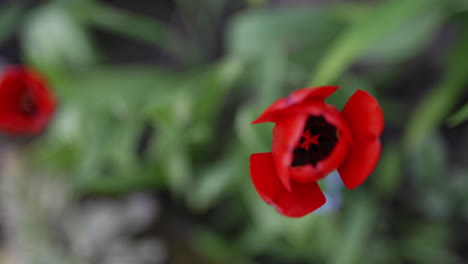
{"x": 26, "y": 104}
{"x": 311, "y": 139}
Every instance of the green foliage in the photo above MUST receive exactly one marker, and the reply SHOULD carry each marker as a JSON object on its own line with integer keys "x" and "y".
{"x": 194, "y": 113}
{"x": 53, "y": 39}
{"x": 437, "y": 104}
{"x": 9, "y": 18}
{"x": 389, "y": 170}
{"x": 251, "y": 33}
{"x": 377, "y": 24}
{"x": 356, "y": 231}
{"x": 460, "y": 116}
{"x": 135, "y": 26}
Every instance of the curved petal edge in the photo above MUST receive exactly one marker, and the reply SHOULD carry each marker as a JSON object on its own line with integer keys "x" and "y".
{"x": 360, "y": 162}
{"x": 364, "y": 115}
{"x": 303, "y": 198}
{"x": 286, "y": 134}
{"x": 313, "y": 93}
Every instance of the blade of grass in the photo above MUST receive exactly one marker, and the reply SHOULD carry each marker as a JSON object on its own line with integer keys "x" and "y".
{"x": 437, "y": 104}
{"x": 459, "y": 117}
{"x": 365, "y": 32}
{"x": 357, "y": 230}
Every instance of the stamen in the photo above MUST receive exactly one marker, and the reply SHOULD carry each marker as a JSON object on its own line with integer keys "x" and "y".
{"x": 308, "y": 139}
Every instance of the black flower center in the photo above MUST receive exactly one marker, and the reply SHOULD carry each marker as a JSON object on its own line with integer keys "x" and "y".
{"x": 27, "y": 104}
{"x": 317, "y": 141}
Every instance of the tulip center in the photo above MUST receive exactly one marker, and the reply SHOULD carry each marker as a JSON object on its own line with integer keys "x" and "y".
{"x": 27, "y": 105}
{"x": 316, "y": 143}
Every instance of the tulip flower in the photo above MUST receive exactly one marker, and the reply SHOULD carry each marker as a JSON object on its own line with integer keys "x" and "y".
{"x": 26, "y": 103}
{"x": 310, "y": 140}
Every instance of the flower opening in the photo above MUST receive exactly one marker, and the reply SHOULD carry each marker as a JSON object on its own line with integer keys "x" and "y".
{"x": 317, "y": 141}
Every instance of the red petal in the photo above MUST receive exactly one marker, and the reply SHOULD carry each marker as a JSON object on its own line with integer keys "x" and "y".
{"x": 364, "y": 115}
{"x": 286, "y": 134}
{"x": 274, "y": 110}
{"x": 270, "y": 114}
{"x": 365, "y": 119}
{"x": 360, "y": 162}
{"x": 315, "y": 93}
{"x": 303, "y": 198}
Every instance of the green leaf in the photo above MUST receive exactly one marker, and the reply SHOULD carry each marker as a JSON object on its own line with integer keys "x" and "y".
{"x": 460, "y": 5}
{"x": 174, "y": 153}
{"x": 429, "y": 160}
{"x": 388, "y": 173}
{"x": 382, "y": 250}
{"x": 209, "y": 89}
{"x": 407, "y": 40}
{"x": 178, "y": 169}
{"x": 429, "y": 243}
{"x": 272, "y": 75}
{"x": 107, "y": 161}
{"x": 360, "y": 36}
{"x": 119, "y": 184}
{"x": 252, "y": 33}
{"x": 357, "y": 230}
{"x": 255, "y": 138}
{"x": 213, "y": 245}
{"x": 438, "y": 103}
{"x": 351, "y": 11}
{"x": 459, "y": 117}
{"x": 53, "y": 39}
{"x": 216, "y": 181}
{"x": 146, "y": 87}
{"x": 217, "y": 248}
{"x": 268, "y": 222}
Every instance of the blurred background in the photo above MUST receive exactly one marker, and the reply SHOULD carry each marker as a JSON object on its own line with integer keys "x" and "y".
{"x": 146, "y": 159}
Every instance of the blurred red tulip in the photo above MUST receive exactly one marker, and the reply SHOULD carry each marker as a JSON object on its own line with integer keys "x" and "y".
{"x": 26, "y": 103}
